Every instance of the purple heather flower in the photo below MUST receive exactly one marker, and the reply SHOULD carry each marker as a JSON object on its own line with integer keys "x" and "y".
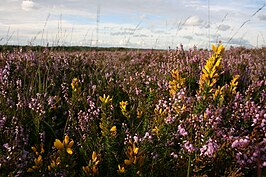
{"x": 182, "y": 131}
{"x": 240, "y": 143}
{"x": 174, "y": 155}
{"x": 147, "y": 136}
{"x": 209, "y": 149}
{"x": 189, "y": 147}
{"x": 136, "y": 138}
{"x": 6, "y": 145}
{"x": 169, "y": 119}
{"x": 2, "y": 121}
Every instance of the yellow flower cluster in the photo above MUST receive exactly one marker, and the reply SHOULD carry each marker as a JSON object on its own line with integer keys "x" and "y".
{"x": 106, "y": 123}
{"x": 55, "y": 162}
{"x": 35, "y": 150}
{"x": 177, "y": 83}
{"x": 75, "y": 85}
{"x": 178, "y": 108}
{"x": 113, "y": 131}
{"x": 221, "y": 92}
{"x": 210, "y": 75}
{"x": 64, "y": 149}
{"x": 158, "y": 120}
{"x": 159, "y": 112}
{"x": 65, "y": 145}
{"x": 233, "y": 84}
{"x": 123, "y": 107}
{"x": 139, "y": 113}
{"x": 210, "y": 72}
{"x": 121, "y": 169}
{"x": 218, "y": 94}
{"x": 92, "y": 167}
{"x": 134, "y": 156}
{"x": 104, "y": 130}
{"x": 105, "y": 99}
{"x": 38, "y": 161}
{"x": 156, "y": 131}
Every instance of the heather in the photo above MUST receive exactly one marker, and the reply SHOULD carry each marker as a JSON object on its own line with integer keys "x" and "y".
{"x": 133, "y": 113}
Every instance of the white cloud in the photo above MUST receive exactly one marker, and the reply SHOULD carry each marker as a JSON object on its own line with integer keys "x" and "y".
{"x": 223, "y": 27}
{"x": 240, "y": 42}
{"x": 194, "y": 21}
{"x": 262, "y": 17}
{"x": 188, "y": 37}
{"x": 121, "y": 33}
{"x": 28, "y": 5}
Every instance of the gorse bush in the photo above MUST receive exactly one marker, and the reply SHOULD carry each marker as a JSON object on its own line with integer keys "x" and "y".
{"x": 133, "y": 113}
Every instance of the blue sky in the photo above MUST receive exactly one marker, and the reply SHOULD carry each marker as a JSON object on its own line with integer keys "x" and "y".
{"x": 133, "y": 23}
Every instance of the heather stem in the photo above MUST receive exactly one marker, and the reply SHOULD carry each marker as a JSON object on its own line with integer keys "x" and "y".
{"x": 188, "y": 166}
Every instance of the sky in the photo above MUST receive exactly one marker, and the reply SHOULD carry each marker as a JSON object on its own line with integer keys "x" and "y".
{"x": 157, "y": 24}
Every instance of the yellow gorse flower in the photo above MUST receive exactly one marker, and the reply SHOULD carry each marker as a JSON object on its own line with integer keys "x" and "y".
{"x": 128, "y": 161}
{"x": 156, "y": 130}
{"x": 218, "y": 93}
{"x": 54, "y": 163}
{"x": 113, "y": 129}
{"x": 139, "y": 113}
{"x": 121, "y": 169}
{"x": 233, "y": 84}
{"x": 133, "y": 155}
{"x": 86, "y": 169}
{"x": 105, "y": 99}
{"x": 38, "y": 161}
{"x": 58, "y": 144}
{"x": 64, "y": 145}
{"x": 132, "y": 150}
{"x": 179, "y": 109}
{"x": 94, "y": 158}
{"x": 159, "y": 112}
{"x": 103, "y": 129}
{"x": 75, "y": 85}
{"x": 210, "y": 75}
{"x": 211, "y": 70}
{"x": 123, "y": 105}
{"x": 36, "y": 151}
{"x": 92, "y": 167}
{"x": 226, "y": 92}
{"x": 177, "y": 83}
{"x": 218, "y": 50}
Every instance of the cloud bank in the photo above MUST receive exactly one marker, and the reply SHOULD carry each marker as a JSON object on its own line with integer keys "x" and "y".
{"x": 28, "y": 5}
{"x": 127, "y": 23}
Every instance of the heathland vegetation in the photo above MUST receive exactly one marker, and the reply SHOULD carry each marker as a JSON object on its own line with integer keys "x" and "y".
{"x": 133, "y": 113}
